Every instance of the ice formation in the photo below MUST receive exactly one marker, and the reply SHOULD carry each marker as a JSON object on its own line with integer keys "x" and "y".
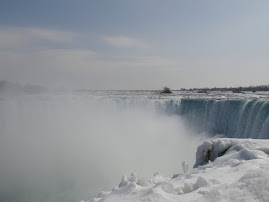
{"x": 225, "y": 170}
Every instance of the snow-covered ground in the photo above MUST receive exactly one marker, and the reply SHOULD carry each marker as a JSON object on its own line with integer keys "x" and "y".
{"x": 225, "y": 170}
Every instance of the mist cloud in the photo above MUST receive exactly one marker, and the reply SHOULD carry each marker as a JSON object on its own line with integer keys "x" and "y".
{"x": 69, "y": 146}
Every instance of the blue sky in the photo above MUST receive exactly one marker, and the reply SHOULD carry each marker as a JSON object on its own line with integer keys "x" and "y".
{"x": 138, "y": 44}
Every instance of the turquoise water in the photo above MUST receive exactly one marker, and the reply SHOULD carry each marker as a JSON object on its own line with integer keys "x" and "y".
{"x": 232, "y": 118}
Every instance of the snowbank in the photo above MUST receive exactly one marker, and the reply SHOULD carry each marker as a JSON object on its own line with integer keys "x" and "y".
{"x": 225, "y": 170}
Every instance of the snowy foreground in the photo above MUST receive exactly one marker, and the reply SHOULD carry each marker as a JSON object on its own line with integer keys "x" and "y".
{"x": 225, "y": 170}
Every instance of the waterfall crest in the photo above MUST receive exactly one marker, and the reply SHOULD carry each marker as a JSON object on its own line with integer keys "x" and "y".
{"x": 232, "y": 118}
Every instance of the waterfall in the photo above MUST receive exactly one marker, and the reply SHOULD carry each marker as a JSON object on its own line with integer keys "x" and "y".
{"x": 237, "y": 117}
{"x": 232, "y": 118}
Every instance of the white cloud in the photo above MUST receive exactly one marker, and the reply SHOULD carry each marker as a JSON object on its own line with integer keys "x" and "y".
{"x": 153, "y": 61}
{"x": 11, "y": 37}
{"x": 124, "y": 42}
{"x": 24, "y": 59}
{"x": 81, "y": 68}
{"x": 52, "y": 35}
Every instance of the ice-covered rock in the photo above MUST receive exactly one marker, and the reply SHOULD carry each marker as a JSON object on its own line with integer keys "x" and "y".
{"x": 185, "y": 167}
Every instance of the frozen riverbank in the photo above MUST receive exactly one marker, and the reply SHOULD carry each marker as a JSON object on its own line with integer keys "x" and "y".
{"x": 225, "y": 170}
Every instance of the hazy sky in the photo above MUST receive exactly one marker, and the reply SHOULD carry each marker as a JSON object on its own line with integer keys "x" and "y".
{"x": 134, "y": 44}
